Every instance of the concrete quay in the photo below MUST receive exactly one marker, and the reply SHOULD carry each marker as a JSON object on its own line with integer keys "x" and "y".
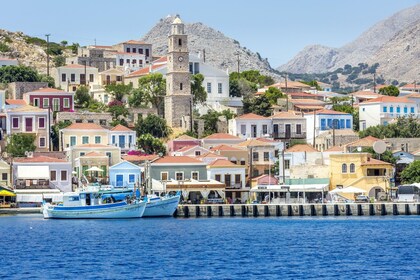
{"x": 291, "y": 210}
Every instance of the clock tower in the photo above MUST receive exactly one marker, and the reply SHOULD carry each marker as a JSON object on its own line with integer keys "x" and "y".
{"x": 178, "y": 99}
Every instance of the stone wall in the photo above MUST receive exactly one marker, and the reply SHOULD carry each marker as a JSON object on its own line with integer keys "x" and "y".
{"x": 85, "y": 117}
{"x": 17, "y": 89}
{"x": 403, "y": 144}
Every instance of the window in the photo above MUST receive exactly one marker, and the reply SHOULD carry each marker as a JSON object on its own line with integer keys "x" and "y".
{"x": 128, "y": 49}
{"x": 298, "y": 129}
{"x": 45, "y": 102}
{"x": 323, "y": 126}
{"x": 179, "y": 42}
{"x": 385, "y": 109}
{"x": 4, "y": 176}
{"x": 63, "y": 77}
{"x": 218, "y": 177}
{"x": 234, "y": 161}
{"x": 108, "y": 154}
{"x": 53, "y": 175}
{"x": 342, "y": 123}
{"x": 237, "y": 178}
{"x": 72, "y": 141}
{"x": 63, "y": 175}
{"x": 15, "y": 123}
{"x": 66, "y": 102}
{"x": 180, "y": 86}
{"x": 118, "y": 78}
{"x": 164, "y": 176}
{"x": 134, "y": 50}
{"x": 140, "y": 51}
{"x": 141, "y": 62}
{"x": 352, "y": 168}
{"x": 113, "y": 139}
{"x": 42, "y": 142}
{"x": 243, "y": 129}
{"x": 147, "y": 52}
{"x": 264, "y": 129}
{"x": 344, "y": 168}
{"x": 197, "y": 153}
{"x": 405, "y": 110}
{"x": 219, "y": 88}
{"x": 412, "y": 110}
{"x": 121, "y": 62}
{"x": 85, "y": 139}
{"x": 72, "y": 77}
{"x": 194, "y": 175}
{"x": 91, "y": 78}
{"x": 266, "y": 156}
{"x": 348, "y": 124}
{"x": 131, "y": 178}
{"x": 391, "y": 109}
{"x": 36, "y": 102}
{"x": 97, "y": 139}
{"x": 208, "y": 87}
{"x": 242, "y": 162}
{"x": 287, "y": 164}
{"x": 82, "y": 154}
{"x": 255, "y": 156}
{"x": 179, "y": 176}
{"x": 398, "y": 109}
{"x": 134, "y": 61}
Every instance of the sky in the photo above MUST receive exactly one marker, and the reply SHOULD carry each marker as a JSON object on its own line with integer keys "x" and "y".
{"x": 277, "y": 29}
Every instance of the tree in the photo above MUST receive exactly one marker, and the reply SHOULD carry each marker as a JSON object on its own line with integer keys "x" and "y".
{"x": 312, "y": 83}
{"x": 117, "y": 110}
{"x": 55, "y": 133}
{"x": 150, "y": 144}
{"x": 20, "y": 143}
{"x": 153, "y": 125}
{"x": 411, "y": 174}
{"x": 10, "y": 74}
{"x": 197, "y": 90}
{"x": 210, "y": 122}
{"x": 257, "y": 105}
{"x": 48, "y": 79}
{"x": 118, "y": 91}
{"x": 389, "y": 90}
{"x": 64, "y": 43}
{"x": 154, "y": 87}
{"x": 96, "y": 106}
{"x": 59, "y": 60}
{"x": 273, "y": 94}
{"x": 82, "y": 97}
{"x": 404, "y": 127}
{"x": 138, "y": 98}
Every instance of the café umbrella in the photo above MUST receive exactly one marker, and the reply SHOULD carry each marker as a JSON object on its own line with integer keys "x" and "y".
{"x": 94, "y": 169}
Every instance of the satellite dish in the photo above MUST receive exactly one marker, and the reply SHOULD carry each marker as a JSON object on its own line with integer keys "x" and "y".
{"x": 379, "y": 147}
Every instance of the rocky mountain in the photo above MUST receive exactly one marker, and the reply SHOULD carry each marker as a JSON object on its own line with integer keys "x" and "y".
{"x": 366, "y": 47}
{"x": 220, "y": 50}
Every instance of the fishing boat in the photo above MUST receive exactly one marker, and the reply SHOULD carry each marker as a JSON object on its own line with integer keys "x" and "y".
{"x": 91, "y": 205}
{"x": 161, "y": 206}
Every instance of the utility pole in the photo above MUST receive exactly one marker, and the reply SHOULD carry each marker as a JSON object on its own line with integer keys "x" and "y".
{"x": 48, "y": 53}
{"x": 287, "y": 96}
{"x": 313, "y": 141}
{"x": 374, "y": 82}
{"x": 238, "y": 61}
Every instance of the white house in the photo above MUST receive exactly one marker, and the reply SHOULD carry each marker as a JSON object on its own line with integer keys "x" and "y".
{"x": 129, "y": 61}
{"x": 70, "y": 77}
{"x": 382, "y": 110}
{"x": 122, "y": 137}
{"x": 250, "y": 126}
{"x": 4, "y": 61}
{"x": 322, "y": 120}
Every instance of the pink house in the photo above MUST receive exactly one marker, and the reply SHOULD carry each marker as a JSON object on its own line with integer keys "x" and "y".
{"x": 55, "y": 99}
{"x": 181, "y": 142}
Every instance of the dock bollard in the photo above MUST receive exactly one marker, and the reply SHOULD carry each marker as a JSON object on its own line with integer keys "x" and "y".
{"x": 186, "y": 211}
{"x": 395, "y": 210}
{"x": 336, "y": 210}
{"x": 255, "y": 210}
{"x": 278, "y": 211}
{"x": 266, "y": 212}
{"x": 220, "y": 211}
{"x": 348, "y": 210}
{"x": 313, "y": 212}
{"x": 289, "y": 210}
{"x": 209, "y": 213}
{"x": 383, "y": 210}
{"x": 418, "y": 209}
{"x": 175, "y": 213}
{"x": 301, "y": 211}
{"x": 243, "y": 211}
{"x": 324, "y": 210}
{"x": 232, "y": 211}
{"x": 359, "y": 210}
{"x": 407, "y": 209}
{"x": 371, "y": 210}
{"x": 197, "y": 211}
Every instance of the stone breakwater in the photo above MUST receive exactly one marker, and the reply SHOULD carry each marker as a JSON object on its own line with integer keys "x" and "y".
{"x": 291, "y": 210}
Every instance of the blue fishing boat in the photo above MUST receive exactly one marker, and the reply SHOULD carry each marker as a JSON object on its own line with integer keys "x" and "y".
{"x": 161, "y": 206}
{"x": 91, "y": 205}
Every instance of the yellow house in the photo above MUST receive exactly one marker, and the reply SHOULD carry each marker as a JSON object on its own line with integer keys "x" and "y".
{"x": 361, "y": 171}
{"x": 83, "y": 134}
{"x": 5, "y": 173}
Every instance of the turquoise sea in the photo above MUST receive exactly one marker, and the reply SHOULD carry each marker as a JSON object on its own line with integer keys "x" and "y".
{"x": 211, "y": 248}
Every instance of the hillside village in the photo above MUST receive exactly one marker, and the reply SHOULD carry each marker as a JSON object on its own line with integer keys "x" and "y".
{"x": 122, "y": 115}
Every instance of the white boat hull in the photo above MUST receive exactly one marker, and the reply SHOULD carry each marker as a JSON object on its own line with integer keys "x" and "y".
{"x": 106, "y": 211}
{"x": 161, "y": 207}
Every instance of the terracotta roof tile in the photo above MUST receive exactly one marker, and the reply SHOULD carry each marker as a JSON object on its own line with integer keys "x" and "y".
{"x": 15, "y": 102}
{"x": 330, "y": 112}
{"x": 75, "y": 66}
{"x": 222, "y": 163}
{"x": 372, "y": 161}
{"x": 389, "y": 99}
{"x": 210, "y": 155}
{"x": 48, "y": 90}
{"x": 253, "y": 143}
{"x": 287, "y": 115}
{"x": 185, "y": 137}
{"x": 186, "y": 148}
{"x": 85, "y": 126}
{"x": 139, "y": 158}
{"x": 120, "y": 127}
{"x": 28, "y": 108}
{"x": 178, "y": 159}
{"x": 364, "y": 142}
{"x": 225, "y": 148}
{"x": 251, "y": 116}
{"x": 301, "y": 148}
{"x": 221, "y": 136}
{"x": 38, "y": 159}
{"x": 335, "y": 149}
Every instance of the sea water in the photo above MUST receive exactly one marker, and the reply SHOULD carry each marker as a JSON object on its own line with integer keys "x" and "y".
{"x": 211, "y": 248}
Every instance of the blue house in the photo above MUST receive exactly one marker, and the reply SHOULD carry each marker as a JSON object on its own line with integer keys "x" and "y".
{"x": 124, "y": 174}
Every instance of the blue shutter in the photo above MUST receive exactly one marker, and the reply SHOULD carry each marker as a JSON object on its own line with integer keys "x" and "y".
{"x": 322, "y": 124}
{"x": 348, "y": 124}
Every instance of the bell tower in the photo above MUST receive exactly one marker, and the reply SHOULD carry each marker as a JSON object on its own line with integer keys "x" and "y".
{"x": 178, "y": 99}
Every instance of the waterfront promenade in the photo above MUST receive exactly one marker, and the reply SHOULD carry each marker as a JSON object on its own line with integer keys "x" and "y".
{"x": 276, "y": 210}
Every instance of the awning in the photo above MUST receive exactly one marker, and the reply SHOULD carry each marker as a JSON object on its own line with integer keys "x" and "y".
{"x": 33, "y": 172}
{"x": 29, "y": 198}
{"x": 291, "y": 188}
{"x": 55, "y": 197}
{"x": 6, "y": 193}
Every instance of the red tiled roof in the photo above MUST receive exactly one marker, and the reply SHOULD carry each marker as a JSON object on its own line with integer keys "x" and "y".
{"x": 253, "y": 143}
{"x": 48, "y": 90}
{"x": 221, "y": 136}
{"x": 135, "y": 42}
{"x": 389, "y": 99}
{"x": 372, "y": 161}
{"x": 38, "y": 159}
{"x": 185, "y": 137}
{"x": 225, "y": 148}
{"x": 364, "y": 142}
{"x": 15, "y": 102}
{"x": 286, "y": 115}
{"x": 251, "y": 116}
{"x": 178, "y": 159}
{"x": 145, "y": 70}
{"x": 120, "y": 127}
{"x": 186, "y": 148}
{"x": 330, "y": 112}
{"x": 76, "y": 66}
{"x": 301, "y": 148}
{"x": 85, "y": 126}
{"x": 222, "y": 163}
{"x": 139, "y": 158}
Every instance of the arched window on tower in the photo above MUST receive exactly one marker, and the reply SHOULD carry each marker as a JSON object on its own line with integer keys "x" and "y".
{"x": 180, "y": 86}
{"x": 344, "y": 168}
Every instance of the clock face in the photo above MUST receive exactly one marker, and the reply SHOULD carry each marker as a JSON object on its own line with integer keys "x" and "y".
{"x": 180, "y": 58}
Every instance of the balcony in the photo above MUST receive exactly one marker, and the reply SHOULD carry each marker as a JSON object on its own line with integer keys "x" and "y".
{"x": 292, "y": 135}
{"x": 232, "y": 186}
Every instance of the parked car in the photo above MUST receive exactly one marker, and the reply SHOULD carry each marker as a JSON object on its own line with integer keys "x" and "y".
{"x": 362, "y": 198}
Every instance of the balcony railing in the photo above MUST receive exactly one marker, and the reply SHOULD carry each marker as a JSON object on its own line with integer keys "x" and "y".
{"x": 293, "y": 135}
{"x": 233, "y": 185}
